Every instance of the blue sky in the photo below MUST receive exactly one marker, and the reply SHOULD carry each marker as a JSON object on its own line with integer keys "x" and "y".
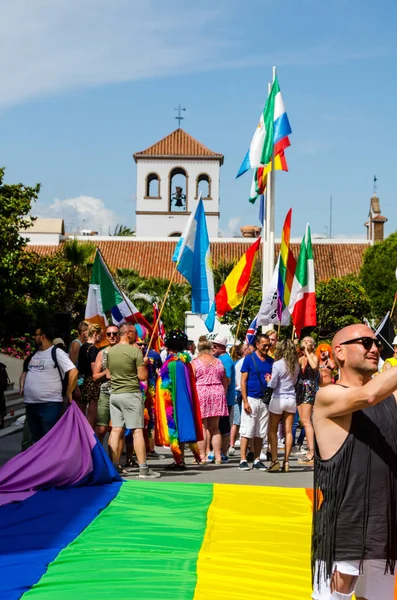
{"x": 86, "y": 83}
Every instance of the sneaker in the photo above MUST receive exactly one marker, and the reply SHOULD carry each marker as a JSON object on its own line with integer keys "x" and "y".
{"x": 224, "y": 458}
{"x": 244, "y": 466}
{"x": 259, "y": 466}
{"x": 237, "y": 444}
{"x": 155, "y": 455}
{"x": 148, "y": 474}
{"x": 280, "y": 444}
{"x": 250, "y": 457}
{"x": 263, "y": 456}
{"x": 231, "y": 451}
{"x": 210, "y": 457}
{"x": 297, "y": 451}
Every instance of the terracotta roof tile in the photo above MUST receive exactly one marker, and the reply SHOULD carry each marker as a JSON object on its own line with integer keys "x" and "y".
{"x": 178, "y": 143}
{"x": 379, "y": 219}
{"x": 153, "y": 258}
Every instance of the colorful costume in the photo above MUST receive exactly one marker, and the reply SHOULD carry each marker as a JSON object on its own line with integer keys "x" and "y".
{"x": 177, "y": 409}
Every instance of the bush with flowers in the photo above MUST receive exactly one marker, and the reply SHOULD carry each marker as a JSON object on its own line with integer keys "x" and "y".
{"x": 18, "y": 347}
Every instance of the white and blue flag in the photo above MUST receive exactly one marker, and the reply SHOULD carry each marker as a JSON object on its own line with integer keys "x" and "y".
{"x": 193, "y": 257}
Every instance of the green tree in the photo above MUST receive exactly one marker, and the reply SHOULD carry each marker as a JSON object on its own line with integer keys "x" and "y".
{"x": 75, "y": 258}
{"x": 252, "y": 302}
{"x": 15, "y": 203}
{"x": 178, "y": 301}
{"x": 122, "y": 230}
{"x": 378, "y": 274}
{"x": 340, "y": 302}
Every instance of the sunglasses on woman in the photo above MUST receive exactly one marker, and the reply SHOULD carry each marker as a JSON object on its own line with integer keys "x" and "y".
{"x": 367, "y": 342}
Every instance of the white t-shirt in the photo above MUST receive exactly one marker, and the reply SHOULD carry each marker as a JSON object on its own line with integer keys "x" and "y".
{"x": 43, "y": 383}
{"x": 238, "y": 366}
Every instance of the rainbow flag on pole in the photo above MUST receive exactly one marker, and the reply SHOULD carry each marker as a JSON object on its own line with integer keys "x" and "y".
{"x": 287, "y": 266}
{"x": 237, "y": 282}
{"x": 259, "y": 180}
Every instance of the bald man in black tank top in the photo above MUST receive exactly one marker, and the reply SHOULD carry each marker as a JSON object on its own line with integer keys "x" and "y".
{"x": 354, "y": 543}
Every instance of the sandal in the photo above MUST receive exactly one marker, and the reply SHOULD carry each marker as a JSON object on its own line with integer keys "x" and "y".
{"x": 273, "y": 467}
{"x": 131, "y": 463}
{"x": 285, "y": 468}
{"x": 176, "y": 467}
{"x": 307, "y": 460}
{"x": 120, "y": 470}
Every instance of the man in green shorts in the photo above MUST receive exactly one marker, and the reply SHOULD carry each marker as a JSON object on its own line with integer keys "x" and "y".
{"x": 101, "y": 374}
{"x": 127, "y": 368}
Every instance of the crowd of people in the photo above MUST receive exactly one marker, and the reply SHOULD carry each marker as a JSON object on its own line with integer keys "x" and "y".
{"x": 252, "y": 398}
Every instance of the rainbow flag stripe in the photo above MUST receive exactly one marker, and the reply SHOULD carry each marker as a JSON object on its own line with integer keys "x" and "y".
{"x": 160, "y": 541}
{"x": 287, "y": 266}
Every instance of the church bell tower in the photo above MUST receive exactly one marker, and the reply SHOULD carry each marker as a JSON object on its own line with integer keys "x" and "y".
{"x": 170, "y": 176}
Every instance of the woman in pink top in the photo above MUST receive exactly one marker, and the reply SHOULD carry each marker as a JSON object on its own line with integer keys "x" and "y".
{"x": 211, "y": 383}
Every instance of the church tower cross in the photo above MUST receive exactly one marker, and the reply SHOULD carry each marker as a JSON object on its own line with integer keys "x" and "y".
{"x": 179, "y": 118}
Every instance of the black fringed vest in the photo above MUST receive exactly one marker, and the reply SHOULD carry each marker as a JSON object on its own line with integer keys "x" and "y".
{"x": 355, "y": 516}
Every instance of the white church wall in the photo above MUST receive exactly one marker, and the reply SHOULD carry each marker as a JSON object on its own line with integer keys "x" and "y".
{"x": 168, "y": 224}
{"x": 194, "y": 327}
{"x": 161, "y": 224}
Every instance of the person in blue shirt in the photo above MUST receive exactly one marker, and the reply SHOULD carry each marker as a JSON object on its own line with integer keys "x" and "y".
{"x": 219, "y": 351}
{"x": 254, "y": 414}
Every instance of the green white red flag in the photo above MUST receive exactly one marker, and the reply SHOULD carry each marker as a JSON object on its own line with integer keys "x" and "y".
{"x": 302, "y": 305}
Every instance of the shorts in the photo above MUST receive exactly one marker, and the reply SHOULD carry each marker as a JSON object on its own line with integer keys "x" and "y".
{"x": 278, "y": 406}
{"x": 225, "y": 423}
{"x": 237, "y": 414}
{"x": 90, "y": 391}
{"x": 373, "y": 584}
{"x": 126, "y": 410}
{"x": 103, "y": 418}
{"x": 254, "y": 424}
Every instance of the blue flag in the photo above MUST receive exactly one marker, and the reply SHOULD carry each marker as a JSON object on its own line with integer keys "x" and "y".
{"x": 193, "y": 257}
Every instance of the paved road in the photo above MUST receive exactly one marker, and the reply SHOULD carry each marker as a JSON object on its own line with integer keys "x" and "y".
{"x": 227, "y": 473}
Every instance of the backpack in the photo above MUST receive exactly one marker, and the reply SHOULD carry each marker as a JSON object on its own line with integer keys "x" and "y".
{"x": 64, "y": 380}
{"x": 4, "y": 379}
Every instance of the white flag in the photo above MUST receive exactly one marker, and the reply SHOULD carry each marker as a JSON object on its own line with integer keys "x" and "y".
{"x": 267, "y": 314}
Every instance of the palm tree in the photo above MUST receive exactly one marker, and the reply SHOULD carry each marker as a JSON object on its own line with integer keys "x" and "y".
{"x": 77, "y": 256}
{"x": 122, "y": 230}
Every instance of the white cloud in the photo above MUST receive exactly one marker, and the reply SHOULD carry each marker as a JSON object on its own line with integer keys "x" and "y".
{"x": 82, "y": 212}
{"x": 49, "y": 46}
{"x": 83, "y": 43}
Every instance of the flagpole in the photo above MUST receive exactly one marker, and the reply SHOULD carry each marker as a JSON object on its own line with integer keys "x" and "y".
{"x": 161, "y": 309}
{"x": 240, "y": 319}
{"x": 272, "y": 195}
{"x": 117, "y": 285}
{"x": 394, "y": 305}
{"x": 268, "y": 222}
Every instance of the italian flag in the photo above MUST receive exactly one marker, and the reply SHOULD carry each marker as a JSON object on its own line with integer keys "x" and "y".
{"x": 104, "y": 295}
{"x": 302, "y": 305}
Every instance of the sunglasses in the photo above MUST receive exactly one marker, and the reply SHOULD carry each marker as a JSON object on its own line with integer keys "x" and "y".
{"x": 367, "y": 342}
{"x": 112, "y": 333}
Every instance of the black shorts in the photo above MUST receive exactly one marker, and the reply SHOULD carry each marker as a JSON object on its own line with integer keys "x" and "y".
{"x": 224, "y": 423}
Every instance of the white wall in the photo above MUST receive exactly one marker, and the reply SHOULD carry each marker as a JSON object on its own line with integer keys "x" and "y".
{"x": 165, "y": 225}
{"x": 42, "y": 239}
{"x": 194, "y": 327}
{"x": 158, "y": 225}
{"x": 14, "y": 367}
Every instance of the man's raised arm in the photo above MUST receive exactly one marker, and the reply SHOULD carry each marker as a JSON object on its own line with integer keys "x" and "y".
{"x": 336, "y": 401}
